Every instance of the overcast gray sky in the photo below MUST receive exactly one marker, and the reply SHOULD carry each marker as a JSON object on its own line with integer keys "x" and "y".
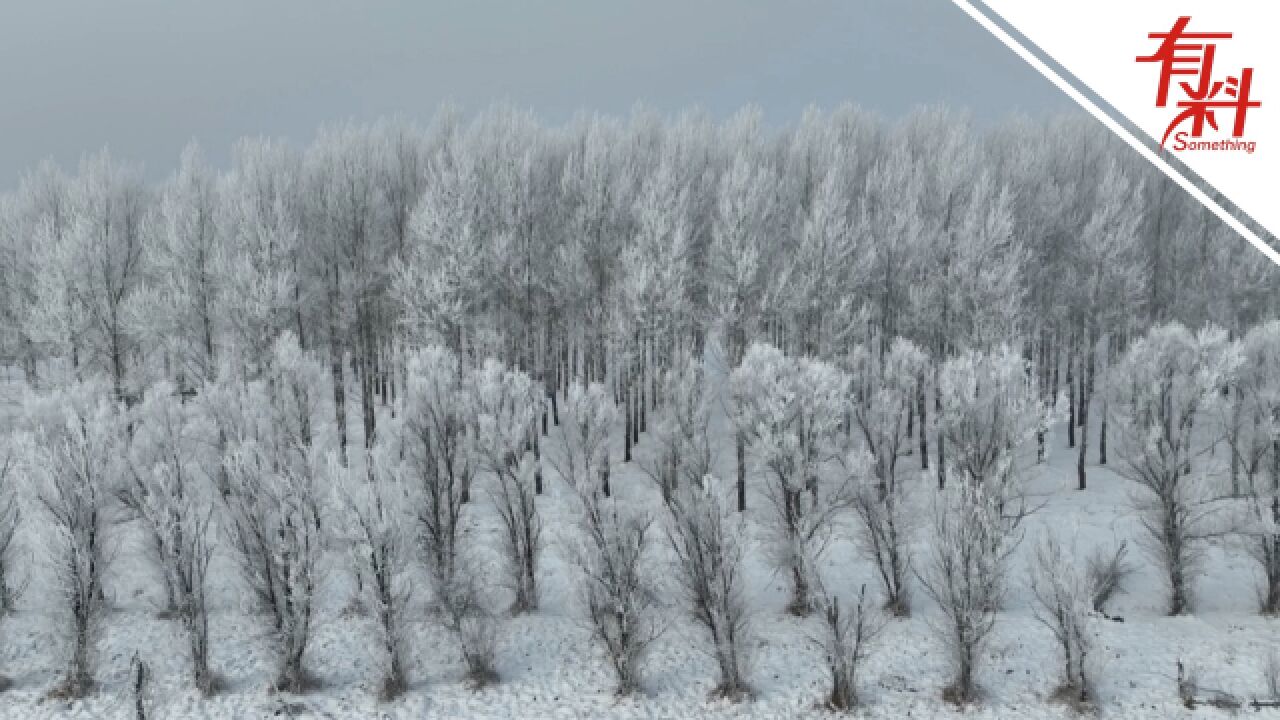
{"x": 146, "y": 76}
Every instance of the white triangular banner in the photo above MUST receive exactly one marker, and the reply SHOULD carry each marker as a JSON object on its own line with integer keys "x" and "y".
{"x": 1209, "y": 79}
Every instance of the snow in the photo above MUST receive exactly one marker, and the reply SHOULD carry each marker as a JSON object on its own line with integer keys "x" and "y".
{"x": 549, "y": 667}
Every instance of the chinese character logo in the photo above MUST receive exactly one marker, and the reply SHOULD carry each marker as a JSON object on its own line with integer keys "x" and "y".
{"x": 1190, "y": 55}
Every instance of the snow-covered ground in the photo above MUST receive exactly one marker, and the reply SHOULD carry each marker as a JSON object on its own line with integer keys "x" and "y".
{"x": 550, "y": 669}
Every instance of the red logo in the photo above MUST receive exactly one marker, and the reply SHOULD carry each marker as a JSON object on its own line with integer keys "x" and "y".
{"x": 1190, "y": 54}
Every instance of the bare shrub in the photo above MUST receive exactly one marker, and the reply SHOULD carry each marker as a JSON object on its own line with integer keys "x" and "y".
{"x": 1063, "y": 603}
{"x": 1108, "y": 571}
{"x": 474, "y": 627}
{"x": 849, "y": 633}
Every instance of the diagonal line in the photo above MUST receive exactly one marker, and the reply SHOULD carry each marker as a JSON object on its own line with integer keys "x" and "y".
{"x": 1118, "y": 129}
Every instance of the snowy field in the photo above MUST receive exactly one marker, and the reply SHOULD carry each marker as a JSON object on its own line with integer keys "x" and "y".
{"x": 549, "y": 667}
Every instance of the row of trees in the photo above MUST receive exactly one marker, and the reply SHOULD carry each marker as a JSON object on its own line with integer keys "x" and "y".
{"x": 599, "y": 250}
{"x": 443, "y": 512}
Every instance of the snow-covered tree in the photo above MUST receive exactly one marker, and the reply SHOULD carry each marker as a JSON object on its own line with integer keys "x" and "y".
{"x": 710, "y": 548}
{"x": 682, "y": 451}
{"x": 621, "y": 606}
{"x": 439, "y": 458}
{"x": 1253, "y": 431}
{"x": 378, "y": 516}
{"x": 1162, "y": 390}
{"x": 966, "y": 574}
{"x": 275, "y": 467}
{"x": 991, "y": 409}
{"x": 795, "y": 411}
{"x": 73, "y": 462}
{"x": 505, "y": 406}
{"x": 588, "y": 422}
{"x": 848, "y": 635}
{"x": 172, "y": 499}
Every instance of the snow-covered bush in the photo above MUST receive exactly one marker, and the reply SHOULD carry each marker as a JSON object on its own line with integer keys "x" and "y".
{"x": 848, "y": 635}
{"x": 1063, "y": 603}
{"x": 620, "y": 602}
{"x": 1108, "y": 571}
{"x": 473, "y": 624}
{"x": 709, "y": 546}
{"x": 1161, "y": 390}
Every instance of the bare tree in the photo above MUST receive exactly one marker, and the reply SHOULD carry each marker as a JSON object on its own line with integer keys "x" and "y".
{"x": 709, "y": 548}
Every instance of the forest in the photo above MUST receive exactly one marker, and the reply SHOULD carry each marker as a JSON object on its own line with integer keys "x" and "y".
{"x": 342, "y": 427}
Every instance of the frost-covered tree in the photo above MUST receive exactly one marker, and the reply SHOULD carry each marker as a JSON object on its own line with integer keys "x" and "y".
{"x": 1109, "y": 287}
{"x": 966, "y": 574}
{"x": 1162, "y": 390}
{"x": 171, "y": 498}
{"x": 795, "y": 412}
{"x": 745, "y": 212}
{"x": 710, "y": 548}
{"x": 10, "y": 522}
{"x": 588, "y": 422}
{"x": 377, "y": 504}
{"x": 1253, "y": 431}
{"x": 621, "y": 606}
{"x": 682, "y": 451}
{"x": 440, "y": 462}
{"x": 73, "y": 462}
{"x": 505, "y": 405}
{"x": 180, "y": 309}
{"x": 991, "y": 409}
{"x": 275, "y": 466}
